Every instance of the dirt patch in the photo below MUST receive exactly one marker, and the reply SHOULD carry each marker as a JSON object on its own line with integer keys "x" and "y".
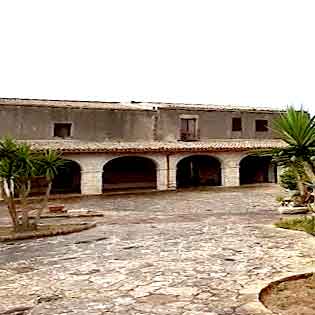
{"x": 291, "y": 296}
{"x": 8, "y": 234}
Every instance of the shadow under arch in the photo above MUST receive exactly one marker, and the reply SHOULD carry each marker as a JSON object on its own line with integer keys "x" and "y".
{"x": 255, "y": 169}
{"x": 68, "y": 179}
{"x": 198, "y": 170}
{"x": 129, "y": 172}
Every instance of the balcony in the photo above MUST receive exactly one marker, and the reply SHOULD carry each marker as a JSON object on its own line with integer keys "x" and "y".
{"x": 189, "y": 136}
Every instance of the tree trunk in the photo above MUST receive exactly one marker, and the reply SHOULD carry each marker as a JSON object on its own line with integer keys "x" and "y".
{"x": 24, "y": 192}
{"x": 44, "y": 205}
{"x": 309, "y": 171}
{"x": 8, "y": 196}
{"x": 299, "y": 182}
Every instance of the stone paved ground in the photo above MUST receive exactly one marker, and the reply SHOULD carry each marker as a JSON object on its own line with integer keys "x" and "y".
{"x": 190, "y": 253}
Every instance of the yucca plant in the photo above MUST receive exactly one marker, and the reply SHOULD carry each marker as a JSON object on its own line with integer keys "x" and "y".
{"x": 47, "y": 164}
{"x": 16, "y": 171}
{"x": 18, "y": 165}
{"x": 297, "y": 129}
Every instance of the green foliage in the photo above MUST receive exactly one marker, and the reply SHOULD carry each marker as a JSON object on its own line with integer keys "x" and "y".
{"x": 48, "y": 163}
{"x": 305, "y": 223}
{"x": 288, "y": 178}
{"x": 296, "y": 128}
{"x": 279, "y": 199}
{"x": 18, "y": 165}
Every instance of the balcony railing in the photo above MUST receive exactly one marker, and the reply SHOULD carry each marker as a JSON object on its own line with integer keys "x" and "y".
{"x": 190, "y": 136}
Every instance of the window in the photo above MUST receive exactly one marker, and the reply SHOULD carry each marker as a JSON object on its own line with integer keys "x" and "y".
{"x": 62, "y": 130}
{"x": 261, "y": 125}
{"x": 188, "y": 129}
{"x": 236, "y": 124}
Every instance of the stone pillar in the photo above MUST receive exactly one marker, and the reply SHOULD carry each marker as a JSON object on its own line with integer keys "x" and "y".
{"x": 161, "y": 171}
{"x": 230, "y": 170}
{"x": 161, "y": 179}
{"x": 172, "y": 171}
{"x": 91, "y": 172}
{"x": 272, "y": 173}
{"x": 231, "y": 176}
{"x": 172, "y": 179}
{"x": 91, "y": 182}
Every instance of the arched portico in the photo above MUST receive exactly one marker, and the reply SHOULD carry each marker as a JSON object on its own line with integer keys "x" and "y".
{"x": 129, "y": 172}
{"x": 68, "y": 179}
{"x": 198, "y": 170}
{"x": 257, "y": 169}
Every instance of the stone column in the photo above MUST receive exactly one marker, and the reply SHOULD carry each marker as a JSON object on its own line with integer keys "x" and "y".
{"x": 230, "y": 171}
{"x": 161, "y": 180}
{"x": 172, "y": 179}
{"x": 161, "y": 172}
{"x": 91, "y": 172}
{"x": 272, "y": 173}
{"x": 173, "y": 160}
{"x": 91, "y": 182}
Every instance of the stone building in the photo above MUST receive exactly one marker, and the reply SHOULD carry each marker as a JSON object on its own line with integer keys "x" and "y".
{"x": 116, "y": 146}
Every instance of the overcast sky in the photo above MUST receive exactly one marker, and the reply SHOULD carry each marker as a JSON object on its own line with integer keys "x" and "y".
{"x": 246, "y": 52}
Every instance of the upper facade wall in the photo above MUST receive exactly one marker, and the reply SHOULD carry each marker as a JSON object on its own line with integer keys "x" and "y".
{"x": 86, "y": 124}
{"x": 214, "y": 124}
{"x": 161, "y": 124}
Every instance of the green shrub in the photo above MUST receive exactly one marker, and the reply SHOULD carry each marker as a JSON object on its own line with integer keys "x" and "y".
{"x": 288, "y": 179}
{"x": 305, "y": 223}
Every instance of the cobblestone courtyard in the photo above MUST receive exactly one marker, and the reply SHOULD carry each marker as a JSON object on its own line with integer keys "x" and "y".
{"x": 191, "y": 253}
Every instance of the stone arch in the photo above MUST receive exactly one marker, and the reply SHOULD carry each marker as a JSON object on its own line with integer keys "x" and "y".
{"x": 68, "y": 179}
{"x": 198, "y": 170}
{"x": 256, "y": 169}
{"x": 129, "y": 172}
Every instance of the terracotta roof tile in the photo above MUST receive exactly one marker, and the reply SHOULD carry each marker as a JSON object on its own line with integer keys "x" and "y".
{"x": 76, "y": 146}
{"x": 132, "y": 105}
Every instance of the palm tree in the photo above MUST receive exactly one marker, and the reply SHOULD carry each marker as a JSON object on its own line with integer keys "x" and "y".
{"x": 297, "y": 129}
{"x": 18, "y": 165}
{"x": 16, "y": 170}
{"x": 47, "y": 164}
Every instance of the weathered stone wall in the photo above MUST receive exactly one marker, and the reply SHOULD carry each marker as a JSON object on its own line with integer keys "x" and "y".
{"x": 87, "y": 124}
{"x": 91, "y": 124}
{"x": 213, "y": 124}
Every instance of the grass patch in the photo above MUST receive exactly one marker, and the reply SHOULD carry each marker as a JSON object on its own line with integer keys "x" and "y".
{"x": 306, "y": 224}
{"x": 8, "y": 234}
